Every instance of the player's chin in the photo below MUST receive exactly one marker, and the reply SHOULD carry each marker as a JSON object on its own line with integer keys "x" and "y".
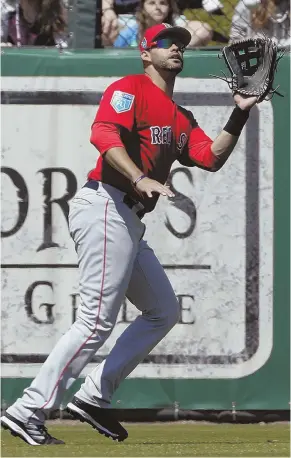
{"x": 175, "y": 65}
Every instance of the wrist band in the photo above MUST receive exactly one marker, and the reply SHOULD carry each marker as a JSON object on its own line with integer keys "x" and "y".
{"x": 138, "y": 179}
{"x": 236, "y": 121}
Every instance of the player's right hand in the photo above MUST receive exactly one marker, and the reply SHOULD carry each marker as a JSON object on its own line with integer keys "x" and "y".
{"x": 148, "y": 186}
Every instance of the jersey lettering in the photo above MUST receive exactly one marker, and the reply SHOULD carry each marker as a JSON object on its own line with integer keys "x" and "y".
{"x": 161, "y": 136}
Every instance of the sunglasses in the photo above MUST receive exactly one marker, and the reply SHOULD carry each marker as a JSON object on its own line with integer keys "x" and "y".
{"x": 166, "y": 43}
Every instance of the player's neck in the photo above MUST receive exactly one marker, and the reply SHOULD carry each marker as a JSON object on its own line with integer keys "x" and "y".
{"x": 165, "y": 81}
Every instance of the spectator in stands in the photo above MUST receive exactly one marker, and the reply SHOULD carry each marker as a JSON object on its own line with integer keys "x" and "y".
{"x": 151, "y": 12}
{"x": 33, "y": 23}
{"x": 211, "y": 6}
{"x": 117, "y": 16}
{"x": 269, "y": 18}
{"x": 110, "y": 23}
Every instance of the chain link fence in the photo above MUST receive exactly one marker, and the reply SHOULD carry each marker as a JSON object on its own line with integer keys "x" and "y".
{"x": 121, "y": 23}
{"x": 211, "y": 22}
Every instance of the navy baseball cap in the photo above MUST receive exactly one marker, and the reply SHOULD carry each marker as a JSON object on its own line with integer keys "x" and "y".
{"x": 162, "y": 31}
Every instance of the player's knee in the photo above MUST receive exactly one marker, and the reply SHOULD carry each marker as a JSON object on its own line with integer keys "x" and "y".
{"x": 87, "y": 325}
{"x": 83, "y": 326}
{"x": 171, "y": 314}
{"x": 175, "y": 313}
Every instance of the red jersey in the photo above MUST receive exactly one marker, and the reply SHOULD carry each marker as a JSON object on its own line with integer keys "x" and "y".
{"x": 154, "y": 130}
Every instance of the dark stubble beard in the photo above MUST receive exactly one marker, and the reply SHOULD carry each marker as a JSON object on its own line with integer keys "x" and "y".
{"x": 166, "y": 65}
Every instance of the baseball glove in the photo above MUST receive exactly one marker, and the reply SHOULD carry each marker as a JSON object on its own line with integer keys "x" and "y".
{"x": 252, "y": 64}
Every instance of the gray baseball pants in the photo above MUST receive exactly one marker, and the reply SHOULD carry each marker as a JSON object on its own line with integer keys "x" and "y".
{"x": 114, "y": 262}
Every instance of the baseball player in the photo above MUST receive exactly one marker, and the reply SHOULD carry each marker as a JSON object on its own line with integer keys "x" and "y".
{"x": 139, "y": 132}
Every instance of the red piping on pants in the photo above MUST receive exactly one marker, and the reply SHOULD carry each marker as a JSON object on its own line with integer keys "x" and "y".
{"x": 99, "y": 308}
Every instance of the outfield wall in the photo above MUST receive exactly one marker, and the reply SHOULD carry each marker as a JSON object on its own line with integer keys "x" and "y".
{"x": 224, "y": 243}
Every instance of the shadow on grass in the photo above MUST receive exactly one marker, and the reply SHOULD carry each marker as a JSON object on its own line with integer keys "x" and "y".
{"x": 211, "y": 442}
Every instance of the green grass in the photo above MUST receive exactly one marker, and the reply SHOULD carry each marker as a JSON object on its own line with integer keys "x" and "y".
{"x": 161, "y": 439}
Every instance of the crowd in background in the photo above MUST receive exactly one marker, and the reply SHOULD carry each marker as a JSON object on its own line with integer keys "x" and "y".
{"x": 33, "y": 23}
{"x": 45, "y": 22}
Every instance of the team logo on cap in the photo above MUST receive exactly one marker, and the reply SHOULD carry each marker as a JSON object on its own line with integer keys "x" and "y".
{"x": 144, "y": 43}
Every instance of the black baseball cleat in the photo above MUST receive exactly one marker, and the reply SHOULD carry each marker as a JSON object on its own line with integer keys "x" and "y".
{"x": 101, "y": 419}
{"x": 31, "y": 433}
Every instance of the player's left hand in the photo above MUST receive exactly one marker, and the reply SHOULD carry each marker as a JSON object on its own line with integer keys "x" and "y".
{"x": 245, "y": 102}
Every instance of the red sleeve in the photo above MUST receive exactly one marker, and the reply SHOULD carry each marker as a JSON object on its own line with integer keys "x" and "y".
{"x": 105, "y": 136}
{"x": 117, "y": 105}
{"x": 197, "y": 151}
